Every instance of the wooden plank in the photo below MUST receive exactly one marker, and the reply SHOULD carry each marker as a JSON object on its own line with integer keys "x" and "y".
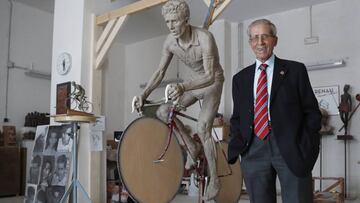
{"x": 131, "y": 8}
{"x": 97, "y": 174}
{"x": 104, "y": 34}
{"x": 334, "y": 185}
{"x": 100, "y": 56}
{"x": 207, "y": 2}
{"x": 220, "y": 9}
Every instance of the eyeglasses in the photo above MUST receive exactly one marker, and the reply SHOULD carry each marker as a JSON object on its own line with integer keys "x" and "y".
{"x": 263, "y": 37}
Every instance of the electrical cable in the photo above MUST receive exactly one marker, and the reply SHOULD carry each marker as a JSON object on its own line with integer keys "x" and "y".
{"x": 8, "y": 62}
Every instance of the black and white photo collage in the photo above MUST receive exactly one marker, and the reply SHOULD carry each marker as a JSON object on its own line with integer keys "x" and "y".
{"x": 50, "y": 164}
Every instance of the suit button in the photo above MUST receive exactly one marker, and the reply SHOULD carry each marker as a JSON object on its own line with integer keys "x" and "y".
{"x": 251, "y": 127}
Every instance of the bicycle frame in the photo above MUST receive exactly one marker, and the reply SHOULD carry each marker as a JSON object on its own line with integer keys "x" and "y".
{"x": 172, "y": 125}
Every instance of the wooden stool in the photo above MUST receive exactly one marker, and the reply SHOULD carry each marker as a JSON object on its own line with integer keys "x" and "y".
{"x": 334, "y": 193}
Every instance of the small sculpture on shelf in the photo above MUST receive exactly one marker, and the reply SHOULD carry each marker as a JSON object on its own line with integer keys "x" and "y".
{"x": 326, "y": 129}
{"x": 78, "y": 99}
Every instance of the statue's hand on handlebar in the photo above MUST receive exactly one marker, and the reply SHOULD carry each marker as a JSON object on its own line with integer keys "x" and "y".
{"x": 174, "y": 91}
{"x": 137, "y": 103}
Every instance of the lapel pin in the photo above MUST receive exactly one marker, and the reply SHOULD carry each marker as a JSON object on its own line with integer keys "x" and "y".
{"x": 282, "y": 72}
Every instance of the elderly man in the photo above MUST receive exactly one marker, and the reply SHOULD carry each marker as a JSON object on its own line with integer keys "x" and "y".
{"x": 275, "y": 123}
{"x": 197, "y": 49}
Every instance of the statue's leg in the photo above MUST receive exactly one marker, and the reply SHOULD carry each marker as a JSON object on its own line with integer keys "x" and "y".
{"x": 210, "y": 105}
{"x": 184, "y": 133}
{"x": 346, "y": 122}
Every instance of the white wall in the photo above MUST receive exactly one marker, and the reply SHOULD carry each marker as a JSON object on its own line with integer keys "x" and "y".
{"x": 113, "y": 98}
{"x": 337, "y": 25}
{"x": 31, "y": 43}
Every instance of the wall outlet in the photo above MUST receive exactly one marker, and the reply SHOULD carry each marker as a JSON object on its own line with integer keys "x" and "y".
{"x": 311, "y": 40}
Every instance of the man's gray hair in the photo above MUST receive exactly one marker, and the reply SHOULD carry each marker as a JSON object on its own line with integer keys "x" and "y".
{"x": 179, "y": 7}
{"x": 265, "y": 22}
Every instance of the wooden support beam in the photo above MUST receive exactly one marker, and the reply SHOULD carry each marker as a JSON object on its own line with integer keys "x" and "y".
{"x": 104, "y": 34}
{"x": 131, "y": 8}
{"x": 220, "y": 9}
{"x": 107, "y": 43}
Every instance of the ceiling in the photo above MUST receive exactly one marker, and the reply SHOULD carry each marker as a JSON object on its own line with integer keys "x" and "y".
{"x": 149, "y": 23}
{"x": 45, "y": 5}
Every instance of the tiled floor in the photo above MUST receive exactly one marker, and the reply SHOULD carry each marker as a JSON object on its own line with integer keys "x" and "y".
{"x": 194, "y": 199}
{"x": 178, "y": 199}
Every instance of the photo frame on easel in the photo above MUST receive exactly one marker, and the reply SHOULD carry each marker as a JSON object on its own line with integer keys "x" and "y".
{"x": 63, "y": 103}
{"x": 50, "y": 166}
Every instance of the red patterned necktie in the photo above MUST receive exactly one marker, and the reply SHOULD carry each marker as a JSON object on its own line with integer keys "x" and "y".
{"x": 261, "y": 122}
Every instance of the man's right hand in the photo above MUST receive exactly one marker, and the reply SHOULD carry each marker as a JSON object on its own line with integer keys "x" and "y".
{"x": 137, "y": 103}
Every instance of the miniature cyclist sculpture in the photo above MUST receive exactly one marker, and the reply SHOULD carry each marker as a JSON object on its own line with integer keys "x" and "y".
{"x": 78, "y": 99}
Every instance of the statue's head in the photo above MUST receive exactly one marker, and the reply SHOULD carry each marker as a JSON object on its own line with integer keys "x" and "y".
{"x": 346, "y": 87}
{"x": 176, "y": 14}
{"x": 177, "y": 7}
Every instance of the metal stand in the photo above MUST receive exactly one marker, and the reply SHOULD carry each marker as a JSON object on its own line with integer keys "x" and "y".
{"x": 75, "y": 183}
{"x": 345, "y": 137}
{"x": 321, "y": 146}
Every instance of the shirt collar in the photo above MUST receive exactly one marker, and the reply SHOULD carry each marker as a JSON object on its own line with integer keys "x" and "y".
{"x": 194, "y": 38}
{"x": 269, "y": 62}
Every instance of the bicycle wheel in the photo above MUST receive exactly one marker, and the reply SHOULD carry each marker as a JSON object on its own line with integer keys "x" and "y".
{"x": 231, "y": 185}
{"x": 148, "y": 182}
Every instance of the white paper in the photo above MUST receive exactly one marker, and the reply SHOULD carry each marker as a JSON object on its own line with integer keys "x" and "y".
{"x": 328, "y": 98}
{"x": 96, "y": 140}
{"x": 99, "y": 124}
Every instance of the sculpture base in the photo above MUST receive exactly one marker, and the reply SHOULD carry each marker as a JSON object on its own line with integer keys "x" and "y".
{"x": 345, "y": 137}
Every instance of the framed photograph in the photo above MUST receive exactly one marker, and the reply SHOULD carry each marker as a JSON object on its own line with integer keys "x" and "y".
{"x": 30, "y": 194}
{"x": 328, "y": 98}
{"x": 9, "y": 135}
{"x": 66, "y": 138}
{"x": 62, "y": 170}
{"x": 50, "y": 166}
{"x": 52, "y": 140}
{"x": 34, "y": 170}
{"x": 63, "y": 91}
{"x": 40, "y": 138}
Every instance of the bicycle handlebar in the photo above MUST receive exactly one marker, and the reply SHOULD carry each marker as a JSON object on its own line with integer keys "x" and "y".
{"x": 163, "y": 100}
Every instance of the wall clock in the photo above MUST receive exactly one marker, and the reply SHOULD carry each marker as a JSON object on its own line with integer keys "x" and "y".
{"x": 63, "y": 64}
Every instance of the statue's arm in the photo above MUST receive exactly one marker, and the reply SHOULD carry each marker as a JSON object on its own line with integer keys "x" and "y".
{"x": 159, "y": 74}
{"x": 209, "y": 51}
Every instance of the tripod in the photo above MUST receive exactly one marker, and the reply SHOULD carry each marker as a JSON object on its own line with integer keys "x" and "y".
{"x": 75, "y": 183}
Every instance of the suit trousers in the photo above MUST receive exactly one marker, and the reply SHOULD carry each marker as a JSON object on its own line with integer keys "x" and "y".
{"x": 260, "y": 166}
